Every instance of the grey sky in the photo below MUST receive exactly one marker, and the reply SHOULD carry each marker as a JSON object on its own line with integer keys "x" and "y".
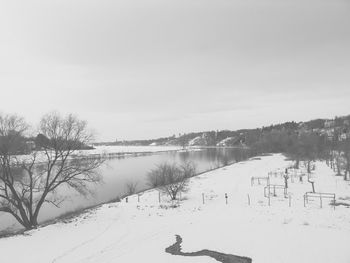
{"x": 144, "y": 69}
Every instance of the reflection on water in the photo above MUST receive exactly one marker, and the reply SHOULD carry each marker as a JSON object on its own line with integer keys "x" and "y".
{"x": 116, "y": 173}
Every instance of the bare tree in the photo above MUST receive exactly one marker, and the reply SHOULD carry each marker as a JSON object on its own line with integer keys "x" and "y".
{"x": 308, "y": 148}
{"x": 338, "y": 158}
{"x": 27, "y": 182}
{"x": 171, "y": 178}
{"x": 131, "y": 187}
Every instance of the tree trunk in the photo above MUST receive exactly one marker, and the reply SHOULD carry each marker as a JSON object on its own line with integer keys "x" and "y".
{"x": 297, "y": 163}
{"x": 313, "y": 186}
{"x": 338, "y": 168}
{"x": 32, "y": 224}
{"x": 347, "y": 170}
{"x": 308, "y": 167}
{"x": 34, "y": 218}
{"x": 286, "y": 182}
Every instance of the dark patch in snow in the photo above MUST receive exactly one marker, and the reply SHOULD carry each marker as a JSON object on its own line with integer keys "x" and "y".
{"x": 175, "y": 249}
{"x": 341, "y": 204}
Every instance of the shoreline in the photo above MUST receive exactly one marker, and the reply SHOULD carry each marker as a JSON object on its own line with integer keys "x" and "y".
{"x": 141, "y": 229}
{"x": 79, "y": 212}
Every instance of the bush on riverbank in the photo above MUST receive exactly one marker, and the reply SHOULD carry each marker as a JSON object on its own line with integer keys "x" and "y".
{"x": 171, "y": 178}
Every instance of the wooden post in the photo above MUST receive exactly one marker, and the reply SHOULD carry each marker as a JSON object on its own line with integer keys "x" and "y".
{"x": 269, "y": 196}
{"x": 226, "y": 197}
{"x": 334, "y": 202}
{"x": 126, "y": 199}
{"x": 274, "y": 190}
{"x": 203, "y": 198}
{"x": 290, "y": 201}
{"x": 248, "y": 200}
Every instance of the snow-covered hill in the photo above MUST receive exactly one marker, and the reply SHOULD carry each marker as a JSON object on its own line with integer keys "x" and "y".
{"x": 140, "y": 231}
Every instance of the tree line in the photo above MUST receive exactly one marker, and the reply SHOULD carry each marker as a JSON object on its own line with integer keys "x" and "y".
{"x": 308, "y": 146}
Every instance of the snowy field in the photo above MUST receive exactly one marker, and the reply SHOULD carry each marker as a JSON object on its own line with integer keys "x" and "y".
{"x": 140, "y": 231}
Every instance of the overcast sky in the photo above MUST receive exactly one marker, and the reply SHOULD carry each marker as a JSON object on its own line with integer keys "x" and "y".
{"x": 150, "y": 68}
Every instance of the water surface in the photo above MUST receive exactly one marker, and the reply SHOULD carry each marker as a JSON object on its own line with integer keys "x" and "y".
{"x": 116, "y": 173}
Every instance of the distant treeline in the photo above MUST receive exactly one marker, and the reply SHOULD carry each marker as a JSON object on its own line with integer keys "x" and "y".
{"x": 272, "y": 138}
{"x": 24, "y": 145}
{"x": 326, "y": 139}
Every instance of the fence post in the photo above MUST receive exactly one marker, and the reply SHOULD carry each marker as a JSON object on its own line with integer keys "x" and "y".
{"x": 290, "y": 201}
{"x": 126, "y": 199}
{"x": 226, "y": 197}
{"x": 203, "y": 198}
{"x": 248, "y": 200}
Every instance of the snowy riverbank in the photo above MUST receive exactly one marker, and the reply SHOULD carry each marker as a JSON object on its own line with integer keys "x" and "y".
{"x": 140, "y": 231}
{"x": 131, "y": 149}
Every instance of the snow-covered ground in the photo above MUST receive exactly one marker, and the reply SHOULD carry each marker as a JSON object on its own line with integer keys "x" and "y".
{"x": 140, "y": 231}
{"x": 130, "y": 149}
{"x": 100, "y": 150}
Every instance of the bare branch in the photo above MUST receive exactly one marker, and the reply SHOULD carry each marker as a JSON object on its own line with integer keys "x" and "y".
{"x": 25, "y": 184}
